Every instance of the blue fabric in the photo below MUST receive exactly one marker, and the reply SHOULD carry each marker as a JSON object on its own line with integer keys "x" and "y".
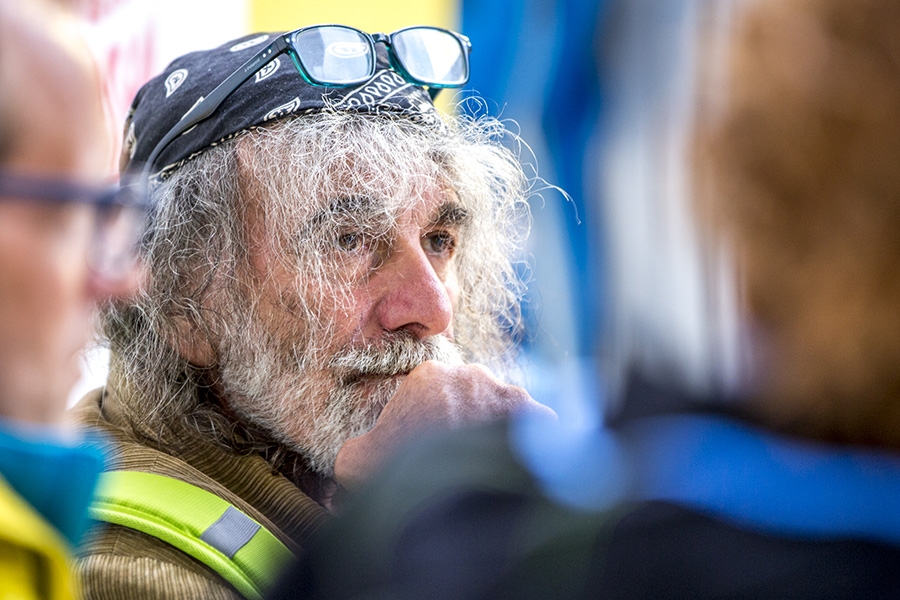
{"x": 56, "y": 477}
{"x": 725, "y": 468}
{"x": 762, "y": 480}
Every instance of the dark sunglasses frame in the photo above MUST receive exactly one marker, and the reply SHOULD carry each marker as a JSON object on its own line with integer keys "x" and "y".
{"x": 284, "y": 44}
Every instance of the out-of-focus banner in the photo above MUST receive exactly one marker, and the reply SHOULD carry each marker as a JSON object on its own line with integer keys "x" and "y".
{"x": 133, "y": 40}
{"x": 384, "y": 15}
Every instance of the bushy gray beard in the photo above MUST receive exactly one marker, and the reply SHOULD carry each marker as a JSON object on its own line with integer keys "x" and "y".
{"x": 312, "y": 403}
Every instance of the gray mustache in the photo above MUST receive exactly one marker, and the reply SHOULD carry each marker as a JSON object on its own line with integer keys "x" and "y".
{"x": 394, "y": 355}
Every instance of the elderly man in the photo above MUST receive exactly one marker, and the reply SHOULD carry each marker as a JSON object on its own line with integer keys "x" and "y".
{"x": 66, "y": 242}
{"x": 327, "y": 256}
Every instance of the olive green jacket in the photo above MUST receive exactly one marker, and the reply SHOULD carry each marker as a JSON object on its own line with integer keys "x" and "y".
{"x": 117, "y": 563}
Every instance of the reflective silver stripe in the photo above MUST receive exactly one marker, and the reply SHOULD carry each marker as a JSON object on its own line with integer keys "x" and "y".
{"x": 231, "y": 532}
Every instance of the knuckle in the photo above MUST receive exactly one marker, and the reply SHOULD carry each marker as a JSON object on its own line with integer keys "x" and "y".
{"x": 515, "y": 394}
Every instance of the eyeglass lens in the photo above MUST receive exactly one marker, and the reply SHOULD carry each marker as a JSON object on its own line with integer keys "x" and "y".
{"x": 117, "y": 234}
{"x": 120, "y": 214}
{"x": 334, "y": 55}
{"x": 430, "y": 56}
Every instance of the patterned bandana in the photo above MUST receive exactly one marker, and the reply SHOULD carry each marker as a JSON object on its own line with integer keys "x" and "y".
{"x": 275, "y": 91}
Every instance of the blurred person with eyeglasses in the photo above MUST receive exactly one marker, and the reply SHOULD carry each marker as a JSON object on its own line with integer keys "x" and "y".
{"x": 67, "y": 243}
{"x": 331, "y": 270}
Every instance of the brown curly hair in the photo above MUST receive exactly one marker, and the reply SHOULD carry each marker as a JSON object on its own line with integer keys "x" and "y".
{"x": 799, "y": 169}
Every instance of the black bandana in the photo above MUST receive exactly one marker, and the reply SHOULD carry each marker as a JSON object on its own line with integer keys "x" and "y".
{"x": 275, "y": 91}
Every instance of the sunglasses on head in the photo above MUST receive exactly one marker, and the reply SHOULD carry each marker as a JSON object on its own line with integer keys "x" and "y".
{"x": 341, "y": 56}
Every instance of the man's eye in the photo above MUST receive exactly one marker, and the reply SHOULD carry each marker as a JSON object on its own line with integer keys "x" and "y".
{"x": 350, "y": 242}
{"x": 440, "y": 242}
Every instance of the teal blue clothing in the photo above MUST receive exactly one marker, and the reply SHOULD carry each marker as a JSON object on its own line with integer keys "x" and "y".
{"x": 55, "y": 475}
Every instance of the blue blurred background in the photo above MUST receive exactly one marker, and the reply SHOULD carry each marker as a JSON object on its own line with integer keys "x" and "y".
{"x": 603, "y": 92}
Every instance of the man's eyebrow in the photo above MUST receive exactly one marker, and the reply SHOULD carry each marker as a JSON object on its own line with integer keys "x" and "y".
{"x": 357, "y": 205}
{"x": 452, "y": 214}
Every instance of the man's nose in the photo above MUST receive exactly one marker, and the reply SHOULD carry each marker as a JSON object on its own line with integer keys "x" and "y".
{"x": 413, "y": 297}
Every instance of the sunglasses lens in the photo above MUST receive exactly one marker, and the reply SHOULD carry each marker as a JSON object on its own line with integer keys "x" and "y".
{"x": 331, "y": 55}
{"x": 432, "y": 56}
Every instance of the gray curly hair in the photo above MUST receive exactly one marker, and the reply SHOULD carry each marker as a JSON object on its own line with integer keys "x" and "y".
{"x": 197, "y": 251}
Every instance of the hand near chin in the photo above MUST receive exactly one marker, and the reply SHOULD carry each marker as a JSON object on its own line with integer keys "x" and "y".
{"x": 434, "y": 395}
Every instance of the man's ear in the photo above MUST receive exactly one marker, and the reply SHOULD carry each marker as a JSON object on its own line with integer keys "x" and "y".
{"x": 194, "y": 343}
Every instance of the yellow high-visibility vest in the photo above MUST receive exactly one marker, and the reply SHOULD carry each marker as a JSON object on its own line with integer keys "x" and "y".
{"x": 198, "y": 523}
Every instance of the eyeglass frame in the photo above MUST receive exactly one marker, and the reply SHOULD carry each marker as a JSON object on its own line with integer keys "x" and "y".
{"x": 281, "y": 45}
{"x": 54, "y": 189}
{"x": 59, "y": 190}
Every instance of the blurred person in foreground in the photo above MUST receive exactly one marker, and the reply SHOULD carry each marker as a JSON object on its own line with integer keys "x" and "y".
{"x": 326, "y": 257}
{"x": 784, "y": 488}
{"x": 66, "y": 243}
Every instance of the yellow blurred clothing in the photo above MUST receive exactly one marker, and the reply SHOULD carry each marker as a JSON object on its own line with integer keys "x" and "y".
{"x": 47, "y": 480}
{"x": 34, "y": 558}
